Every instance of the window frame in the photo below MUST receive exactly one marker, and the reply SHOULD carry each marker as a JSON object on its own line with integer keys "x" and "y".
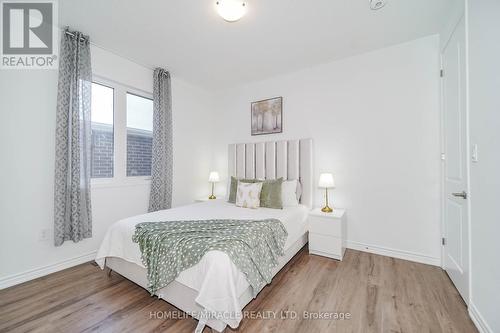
{"x": 120, "y": 178}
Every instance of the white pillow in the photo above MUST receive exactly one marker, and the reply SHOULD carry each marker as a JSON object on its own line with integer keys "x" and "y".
{"x": 248, "y": 195}
{"x": 299, "y": 190}
{"x": 289, "y": 193}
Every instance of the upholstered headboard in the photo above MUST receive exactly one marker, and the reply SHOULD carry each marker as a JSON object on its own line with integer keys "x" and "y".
{"x": 290, "y": 159}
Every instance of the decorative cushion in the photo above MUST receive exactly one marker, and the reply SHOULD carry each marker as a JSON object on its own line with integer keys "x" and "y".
{"x": 270, "y": 196}
{"x": 234, "y": 186}
{"x": 289, "y": 193}
{"x": 248, "y": 195}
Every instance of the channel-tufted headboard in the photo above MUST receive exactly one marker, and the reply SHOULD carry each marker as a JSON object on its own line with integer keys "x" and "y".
{"x": 290, "y": 159}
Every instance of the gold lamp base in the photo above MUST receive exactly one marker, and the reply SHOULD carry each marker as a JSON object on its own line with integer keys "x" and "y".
{"x": 212, "y": 196}
{"x": 326, "y": 209}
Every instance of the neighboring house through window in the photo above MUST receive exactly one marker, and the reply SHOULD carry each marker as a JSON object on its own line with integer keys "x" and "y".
{"x": 102, "y": 151}
{"x": 139, "y": 135}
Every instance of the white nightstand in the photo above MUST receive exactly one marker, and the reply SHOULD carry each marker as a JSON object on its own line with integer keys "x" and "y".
{"x": 206, "y": 199}
{"x": 327, "y": 233}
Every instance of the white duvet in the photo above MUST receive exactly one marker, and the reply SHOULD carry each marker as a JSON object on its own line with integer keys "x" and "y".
{"x": 218, "y": 281}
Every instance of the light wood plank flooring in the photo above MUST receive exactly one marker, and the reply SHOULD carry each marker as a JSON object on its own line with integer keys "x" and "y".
{"x": 381, "y": 294}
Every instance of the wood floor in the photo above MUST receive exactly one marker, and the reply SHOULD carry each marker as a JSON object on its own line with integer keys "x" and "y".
{"x": 381, "y": 294}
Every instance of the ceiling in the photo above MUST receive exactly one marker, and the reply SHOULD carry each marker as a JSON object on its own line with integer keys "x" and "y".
{"x": 276, "y": 36}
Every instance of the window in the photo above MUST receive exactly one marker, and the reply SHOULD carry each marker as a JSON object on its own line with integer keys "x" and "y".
{"x": 122, "y": 134}
{"x": 102, "y": 150}
{"x": 139, "y": 135}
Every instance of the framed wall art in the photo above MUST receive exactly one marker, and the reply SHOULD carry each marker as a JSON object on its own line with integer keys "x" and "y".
{"x": 267, "y": 116}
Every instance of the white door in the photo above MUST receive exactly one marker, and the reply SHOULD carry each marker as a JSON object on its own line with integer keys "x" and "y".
{"x": 456, "y": 203}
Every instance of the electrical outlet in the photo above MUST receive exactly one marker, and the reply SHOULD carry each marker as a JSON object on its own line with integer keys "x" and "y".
{"x": 45, "y": 235}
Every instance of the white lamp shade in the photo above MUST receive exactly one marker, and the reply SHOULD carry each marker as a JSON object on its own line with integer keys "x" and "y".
{"x": 326, "y": 180}
{"x": 214, "y": 177}
{"x": 231, "y": 10}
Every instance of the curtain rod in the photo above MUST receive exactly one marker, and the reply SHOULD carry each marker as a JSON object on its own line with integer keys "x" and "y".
{"x": 85, "y": 38}
{"x": 110, "y": 51}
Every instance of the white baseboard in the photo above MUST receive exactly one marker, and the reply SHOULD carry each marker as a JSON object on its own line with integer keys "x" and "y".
{"x": 400, "y": 254}
{"x": 478, "y": 320}
{"x": 14, "y": 279}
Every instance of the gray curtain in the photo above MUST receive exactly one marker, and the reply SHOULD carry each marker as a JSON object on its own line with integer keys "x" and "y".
{"x": 161, "y": 162}
{"x": 72, "y": 209}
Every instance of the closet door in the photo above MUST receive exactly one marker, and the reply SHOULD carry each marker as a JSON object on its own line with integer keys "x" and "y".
{"x": 456, "y": 203}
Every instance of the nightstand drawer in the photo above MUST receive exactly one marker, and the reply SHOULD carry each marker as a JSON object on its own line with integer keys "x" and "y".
{"x": 324, "y": 226}
{"x": 325, "y": 245}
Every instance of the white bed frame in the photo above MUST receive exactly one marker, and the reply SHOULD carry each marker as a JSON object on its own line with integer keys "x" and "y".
{"x": 290, "y": 159}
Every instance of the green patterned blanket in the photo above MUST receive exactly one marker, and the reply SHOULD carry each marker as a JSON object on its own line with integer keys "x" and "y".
{"x": 168, "y": 248}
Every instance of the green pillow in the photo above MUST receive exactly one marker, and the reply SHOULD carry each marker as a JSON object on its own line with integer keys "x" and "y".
{"x": 234, "y": 187}
{"x": 270, "y": 196}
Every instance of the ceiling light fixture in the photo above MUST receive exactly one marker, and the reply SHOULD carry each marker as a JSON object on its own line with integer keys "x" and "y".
{"x": 231, "y": 10}
{"x": 377, "y": 4}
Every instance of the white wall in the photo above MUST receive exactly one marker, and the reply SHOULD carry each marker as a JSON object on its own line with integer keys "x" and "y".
{"x": 27, "y": 136}
{"x": 374, "y": 119}
{"x": 484, "y": 121}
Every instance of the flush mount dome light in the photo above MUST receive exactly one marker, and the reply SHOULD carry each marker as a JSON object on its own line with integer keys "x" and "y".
{"x": 231, "y": 10}
{"x": 377, "y": 4}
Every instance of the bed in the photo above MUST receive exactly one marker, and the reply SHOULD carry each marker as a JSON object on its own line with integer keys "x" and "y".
{"x": 215, "y": 285}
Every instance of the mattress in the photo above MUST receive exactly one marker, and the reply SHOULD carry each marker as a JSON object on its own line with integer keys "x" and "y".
{"x": 219, "y": 283}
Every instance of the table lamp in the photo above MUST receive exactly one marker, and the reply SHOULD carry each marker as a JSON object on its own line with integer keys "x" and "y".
{"x": 326, "y": 182}
{"x": 213, "y": 178}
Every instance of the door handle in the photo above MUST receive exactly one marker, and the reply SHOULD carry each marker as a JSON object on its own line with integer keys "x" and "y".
{"x": 462, "y": 195}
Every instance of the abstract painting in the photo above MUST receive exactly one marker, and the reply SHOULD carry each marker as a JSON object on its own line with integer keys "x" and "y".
{"x": 267, "y": 116}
